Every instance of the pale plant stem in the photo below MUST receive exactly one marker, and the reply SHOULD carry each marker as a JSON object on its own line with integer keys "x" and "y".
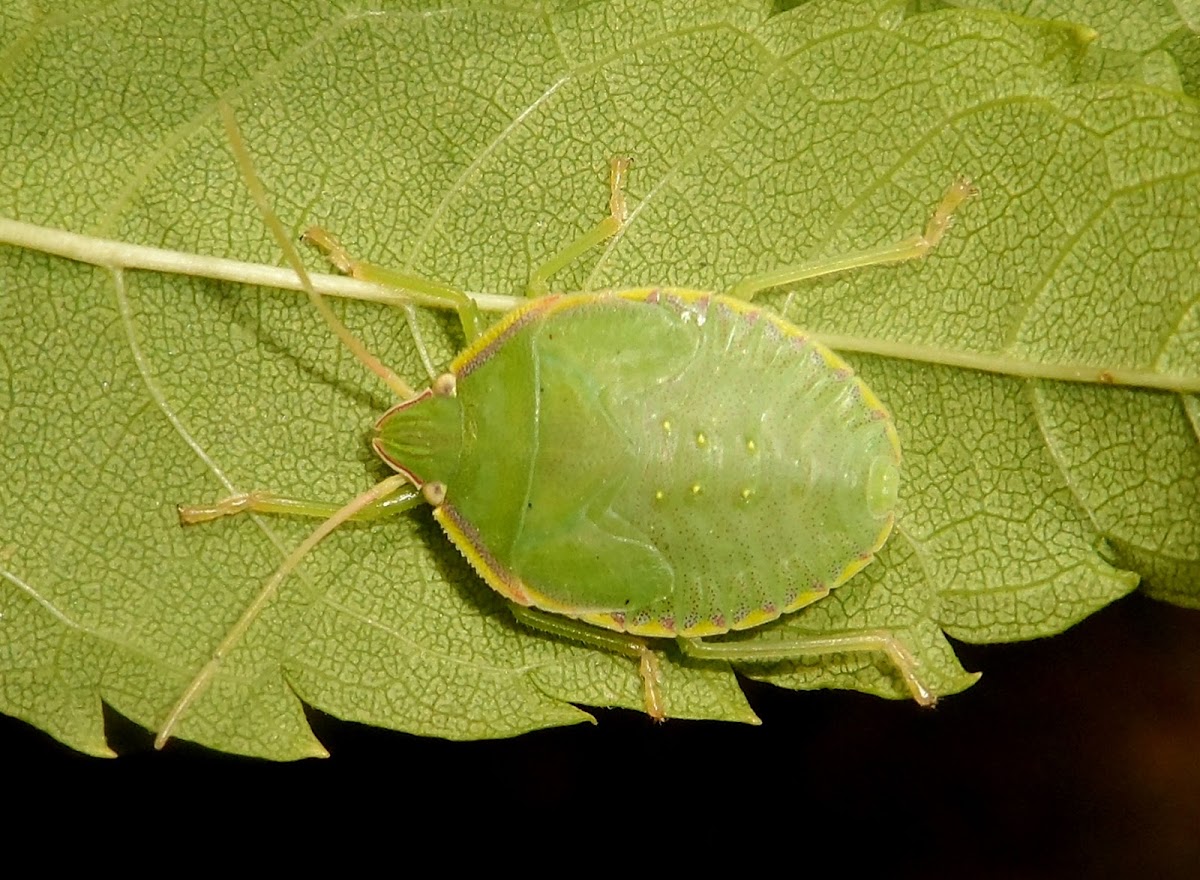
{"x": 110, "y": 254}
{"x": 121, "y": 255}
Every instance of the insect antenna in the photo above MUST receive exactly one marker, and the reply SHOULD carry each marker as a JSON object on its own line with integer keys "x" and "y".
{"x": 246, "y": 166}
{"x": 385, "y": 496}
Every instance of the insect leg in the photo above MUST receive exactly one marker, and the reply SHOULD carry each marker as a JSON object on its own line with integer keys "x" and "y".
{"x": 912, "y": 248}
{"x": 267, "y": 502}
{"x": 199, "y": 684}
{"x": 879, "y": 641}
{"x": 606, "y": 640}
{"x": 423, "y": 291}
{"x": 539, "y": 281}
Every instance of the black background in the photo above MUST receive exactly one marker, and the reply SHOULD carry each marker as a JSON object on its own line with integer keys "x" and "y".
{"x": 1073, "y": 756}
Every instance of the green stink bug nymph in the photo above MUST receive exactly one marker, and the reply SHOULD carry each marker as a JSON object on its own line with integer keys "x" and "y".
{"x": 613, "y": 463}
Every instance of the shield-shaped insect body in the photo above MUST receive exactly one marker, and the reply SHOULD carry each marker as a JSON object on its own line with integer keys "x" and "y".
{"x": 665, "y": 463}
{"x": 660, "y": 463}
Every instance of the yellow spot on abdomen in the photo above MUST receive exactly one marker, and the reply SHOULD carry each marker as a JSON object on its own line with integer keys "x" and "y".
{"x": 701, "y": 439}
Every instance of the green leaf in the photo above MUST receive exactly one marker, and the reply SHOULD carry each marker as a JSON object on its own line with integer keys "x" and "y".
{"x": 1156, "y": 42}
{"x": 469, "y": 142}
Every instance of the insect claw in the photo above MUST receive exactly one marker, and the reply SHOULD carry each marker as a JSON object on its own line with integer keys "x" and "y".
{"x": 328, "y": 244}
{"x": 652, "y": 681}
{"x": 190, "y": 514}
{"x": 924, "y": 697}
{"x": 906, "y": 664}
{"x": 618, "y": 169}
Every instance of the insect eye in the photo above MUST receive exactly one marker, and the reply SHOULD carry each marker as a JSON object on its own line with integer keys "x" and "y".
{"x": 445, "y": 385}
{"x": 434, "y": 493}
